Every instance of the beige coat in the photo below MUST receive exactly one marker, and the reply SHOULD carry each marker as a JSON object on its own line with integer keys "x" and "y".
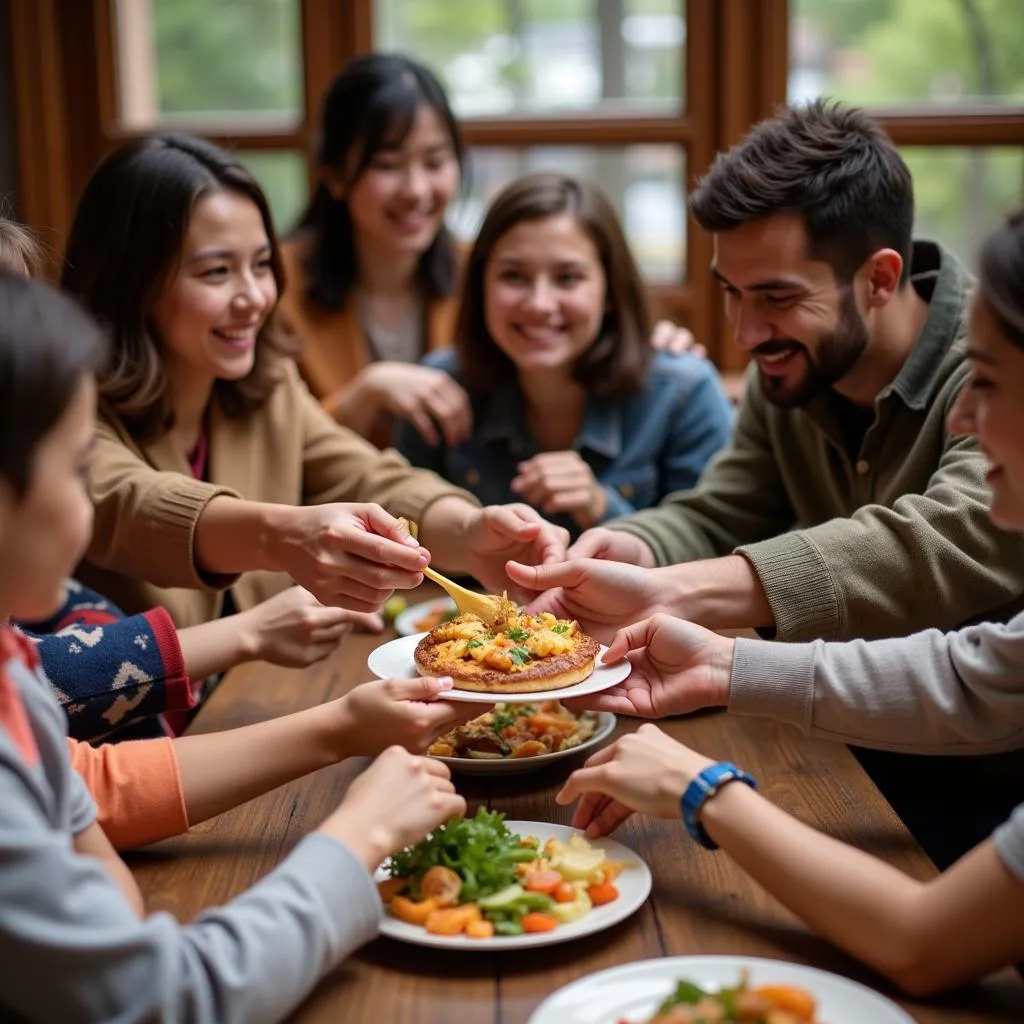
{"x": 289, "y": 452}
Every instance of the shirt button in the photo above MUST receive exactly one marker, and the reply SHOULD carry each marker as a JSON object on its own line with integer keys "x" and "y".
{"x": 863, "y": 466}
{"x": 472, "y": 477}
{"x": 626, "y": 490}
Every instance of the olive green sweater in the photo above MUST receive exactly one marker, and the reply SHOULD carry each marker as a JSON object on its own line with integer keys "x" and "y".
{"x": 895, "y": 540}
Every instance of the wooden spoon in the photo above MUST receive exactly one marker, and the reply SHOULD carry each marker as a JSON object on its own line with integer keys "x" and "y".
{"x": 485, "y": 606}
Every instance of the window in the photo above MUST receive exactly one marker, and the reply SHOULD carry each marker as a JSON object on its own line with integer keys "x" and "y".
{"x": 946, "y": 77}
{"x": 188, "y": 62}
{"x": 636, "y": 94}
{"x": 908, "y": 53}
{"x": 500, "y": 57}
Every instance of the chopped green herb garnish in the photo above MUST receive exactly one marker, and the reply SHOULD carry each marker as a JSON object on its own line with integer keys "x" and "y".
{"x": 519, "y": 635}
{"x": 473, "y": 643}
{"x": 502, "y": 720}
{"x": 562, "y": 627}
{"x": 686, "y": 994}
{"x": 480, "y": 850}
{"x": 519, "y": 655}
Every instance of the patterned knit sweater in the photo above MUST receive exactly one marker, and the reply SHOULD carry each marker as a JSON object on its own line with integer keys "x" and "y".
{"x": 110, "y": 671}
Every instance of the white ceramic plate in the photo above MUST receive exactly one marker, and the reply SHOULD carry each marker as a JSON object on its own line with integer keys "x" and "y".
{"x": 395, "y": 658}
{"x": 405, "y": 623}
{"x": 634, "y": 885}
{"x": 634, "y": 991}
{"x": 518, "y": 765}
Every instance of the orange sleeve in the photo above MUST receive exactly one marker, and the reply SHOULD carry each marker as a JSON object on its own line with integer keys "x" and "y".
{"x": 137, "y": 788}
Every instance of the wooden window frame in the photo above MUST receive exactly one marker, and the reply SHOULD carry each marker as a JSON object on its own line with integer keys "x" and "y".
{"x": 65, "y": 88}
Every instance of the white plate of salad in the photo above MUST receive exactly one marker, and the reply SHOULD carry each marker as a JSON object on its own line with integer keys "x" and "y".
{"x": 507, "y": 894}
{"x": 739, "y": 989}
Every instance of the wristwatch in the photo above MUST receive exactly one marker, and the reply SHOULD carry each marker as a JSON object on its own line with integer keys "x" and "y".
{"x": 705, "y": 785}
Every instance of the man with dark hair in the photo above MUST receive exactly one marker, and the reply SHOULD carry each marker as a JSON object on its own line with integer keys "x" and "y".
{"x": 844, "y": 506}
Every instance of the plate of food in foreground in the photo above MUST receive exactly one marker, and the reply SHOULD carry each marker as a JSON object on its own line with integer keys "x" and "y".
{"x": 514, "y": 738}
{"x": 486, "y": 883}
{"x": 422, "y": 617}
{"x": 725, "y": 989}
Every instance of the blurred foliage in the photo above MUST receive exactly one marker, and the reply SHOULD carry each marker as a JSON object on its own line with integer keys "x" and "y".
{"x": 902, "y": 53}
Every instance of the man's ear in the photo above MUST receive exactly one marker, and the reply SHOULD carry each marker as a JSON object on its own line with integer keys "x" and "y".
{"x": 882, "y": 272}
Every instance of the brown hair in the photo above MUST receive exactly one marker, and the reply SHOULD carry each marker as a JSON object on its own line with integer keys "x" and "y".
{"x": 20, "y": 251}
{"x": 834, "y": 166}
{"x": 48, "y": 345}
{"x": 1001, "y": 277}
{"x": 124, "y": 247}
{"x": 616, "y": 363}
{"x": 370, "y": 107}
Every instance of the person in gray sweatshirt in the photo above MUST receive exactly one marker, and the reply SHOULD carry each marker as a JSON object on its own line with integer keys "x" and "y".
{"x": 74, "y": 940}
{"x": 932, "y": 693}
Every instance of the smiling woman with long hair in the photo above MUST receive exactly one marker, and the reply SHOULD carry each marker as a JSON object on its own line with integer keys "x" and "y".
{"x": 372, "y": 269}
{"x": 215, "y": 471}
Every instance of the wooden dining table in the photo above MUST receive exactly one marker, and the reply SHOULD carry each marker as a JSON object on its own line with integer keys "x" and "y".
{"x": 701, "y": 903}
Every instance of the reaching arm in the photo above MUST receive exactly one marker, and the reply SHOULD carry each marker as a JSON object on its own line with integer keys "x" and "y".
{"x": 926, "y": 936}
{"x": 930, "y": 693}
{"x": 925, "y": 559}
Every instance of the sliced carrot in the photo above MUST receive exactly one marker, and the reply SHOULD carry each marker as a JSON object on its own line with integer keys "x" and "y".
{"x": 602, "y": 893}
{"x": 452, "y": 920}
{"x": 792, "y": 1000}
{"x": 412, "y": 911}
{"x": 565, "y": 893}
{"x": 390, "y": 888}
{"x": 538, "y": 922}
{"x": 542, "y": 881}
{"x": 480, "y": 929}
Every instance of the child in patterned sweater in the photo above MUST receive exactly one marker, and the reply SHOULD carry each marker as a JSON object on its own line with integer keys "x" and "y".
{"x": 65, "y": 896}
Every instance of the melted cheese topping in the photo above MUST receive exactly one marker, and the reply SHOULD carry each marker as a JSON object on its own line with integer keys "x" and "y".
{"x": 524, "y": 639}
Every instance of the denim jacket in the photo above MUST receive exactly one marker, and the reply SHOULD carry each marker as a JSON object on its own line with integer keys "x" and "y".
{"x": 639, "y": 448}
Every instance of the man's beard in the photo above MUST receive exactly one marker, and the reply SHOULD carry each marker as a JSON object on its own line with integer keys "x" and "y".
{"x": 838, "y": 351}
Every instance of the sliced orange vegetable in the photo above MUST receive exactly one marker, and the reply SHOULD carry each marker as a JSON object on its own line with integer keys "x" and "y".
{"x": 602, "y": 893}
{"x": 452, "y": 920}
{"x": 412, "y": 911}
{"x": 792, "y": 1000}
{"x": 542, "y": 723}
{"x": 538, "y": 922}
{"x": 480, "y": 929}
{"x": 542, "y": 881}
{"x": 565, "y": 893}
{"x": 390, "y": 888}
{"x": 613, "y": 869}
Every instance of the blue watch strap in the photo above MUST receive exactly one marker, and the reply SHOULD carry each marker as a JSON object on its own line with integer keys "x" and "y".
{"x": 703, "y": 786}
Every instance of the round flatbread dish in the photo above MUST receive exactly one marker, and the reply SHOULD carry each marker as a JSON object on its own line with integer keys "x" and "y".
{"x": 525, "y": 654}
{"x": 394, "y": 659}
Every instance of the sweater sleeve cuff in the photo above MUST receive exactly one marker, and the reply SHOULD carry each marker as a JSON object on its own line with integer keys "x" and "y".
{"x": 798, "y": 585}
{"x": 172, "y": 524}
{"x": 772, "y": 680}
{"x": 179, "y": 694}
